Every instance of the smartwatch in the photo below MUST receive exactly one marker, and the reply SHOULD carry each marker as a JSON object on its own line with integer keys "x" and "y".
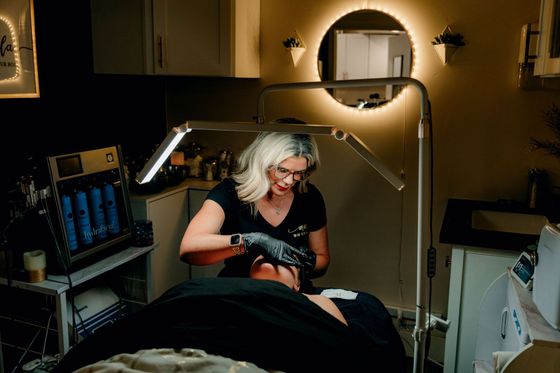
{"x": 235, "y": 241}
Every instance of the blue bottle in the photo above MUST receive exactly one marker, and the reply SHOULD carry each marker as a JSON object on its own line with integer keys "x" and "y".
{"x": 71, "y": 238}
{"x": 110, "y": 203}
{"x": 82, "y": 216}
{"x": 97, "y": 212}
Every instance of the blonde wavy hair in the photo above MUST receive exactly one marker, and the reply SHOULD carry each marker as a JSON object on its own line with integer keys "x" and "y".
{"x": 271, "y": 149}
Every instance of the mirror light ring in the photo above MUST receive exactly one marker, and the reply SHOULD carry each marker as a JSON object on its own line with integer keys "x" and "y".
{"x": 402, "y": 94}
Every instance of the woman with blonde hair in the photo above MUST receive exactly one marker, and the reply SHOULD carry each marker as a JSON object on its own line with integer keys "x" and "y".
{"x": 268, "y": 207}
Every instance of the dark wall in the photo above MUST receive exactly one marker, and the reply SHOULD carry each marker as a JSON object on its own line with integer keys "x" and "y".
{"x": 77, "y": 109}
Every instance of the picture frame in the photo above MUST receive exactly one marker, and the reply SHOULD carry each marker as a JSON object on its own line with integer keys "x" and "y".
{"x": 19, "y": 77}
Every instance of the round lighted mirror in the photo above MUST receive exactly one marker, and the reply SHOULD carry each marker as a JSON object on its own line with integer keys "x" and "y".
{"x": 361, "y": 45}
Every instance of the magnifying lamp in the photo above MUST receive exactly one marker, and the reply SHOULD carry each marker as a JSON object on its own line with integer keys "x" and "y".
{"x": 177, "y": 133}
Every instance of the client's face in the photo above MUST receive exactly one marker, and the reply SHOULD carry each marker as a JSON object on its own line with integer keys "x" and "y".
{"x": 262, "y": 269}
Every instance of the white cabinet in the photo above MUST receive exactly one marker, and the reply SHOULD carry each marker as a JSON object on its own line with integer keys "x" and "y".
{"x": 168, "y": 212}
{"x": 547, "y": 63}
{"x": 472, "y": 271}
{"x": 177, "y": 37}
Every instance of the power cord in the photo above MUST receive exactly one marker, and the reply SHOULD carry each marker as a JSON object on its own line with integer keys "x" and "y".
{"x": 37, "y": 363}
{"x": 432, "y": 253}
{"x": 18, "y": 364}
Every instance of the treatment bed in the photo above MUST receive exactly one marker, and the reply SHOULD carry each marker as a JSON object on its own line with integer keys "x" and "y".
{"x": 250, "y": 324}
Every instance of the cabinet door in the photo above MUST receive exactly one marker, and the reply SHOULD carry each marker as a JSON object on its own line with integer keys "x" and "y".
{"x": 191, "y": 37}
{"x": 196, "y": 199}
{"x": 472, "y": 272}
{"x": 122, "y": 36}
{"x": 547, "y": 63}
{"x": 176, "y": 37}
{"x": 206, "y": 38}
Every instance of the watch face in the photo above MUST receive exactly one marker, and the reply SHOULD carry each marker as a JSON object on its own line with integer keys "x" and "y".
{"x": 235, "y": 240}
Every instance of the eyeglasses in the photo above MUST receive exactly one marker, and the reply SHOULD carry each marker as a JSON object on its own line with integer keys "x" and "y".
{"x": 282, "y": 173}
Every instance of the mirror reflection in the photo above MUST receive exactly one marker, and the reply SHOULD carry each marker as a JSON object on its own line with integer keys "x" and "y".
{"x": 361, "y": 45}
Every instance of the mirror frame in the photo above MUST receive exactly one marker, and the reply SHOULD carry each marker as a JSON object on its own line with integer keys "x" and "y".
{"x": 388, "y": 22}
{"x": 23, "y": 81}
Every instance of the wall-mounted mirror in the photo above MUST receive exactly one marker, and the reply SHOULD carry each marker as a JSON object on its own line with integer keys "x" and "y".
{"x": 361, "y": 45}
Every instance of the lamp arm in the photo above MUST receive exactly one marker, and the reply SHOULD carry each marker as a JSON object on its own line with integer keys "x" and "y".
{"x": 369, "y": 156}
{"x": 176, "y": 133}
{"x": 351, "y": 83}
{"x": 162, "y": 153}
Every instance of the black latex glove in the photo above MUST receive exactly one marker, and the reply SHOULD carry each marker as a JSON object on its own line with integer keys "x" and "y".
{"x": 308, "y": 259}
{"x": 270, "y": 247}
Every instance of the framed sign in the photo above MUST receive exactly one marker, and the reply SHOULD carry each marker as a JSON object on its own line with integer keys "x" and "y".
{"x": 18, "y": 54}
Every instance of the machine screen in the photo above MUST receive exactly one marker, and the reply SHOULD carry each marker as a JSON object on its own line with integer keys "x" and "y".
{"x": 69, "y": 166}
{"x": 523, "y": 269}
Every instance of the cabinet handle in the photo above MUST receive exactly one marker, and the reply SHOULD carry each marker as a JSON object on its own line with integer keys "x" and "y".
{"x": 504, "y": 323}
{"x": 160, "y": 51}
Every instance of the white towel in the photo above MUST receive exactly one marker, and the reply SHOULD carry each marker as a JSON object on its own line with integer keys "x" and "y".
{"x": 501, "y": 358}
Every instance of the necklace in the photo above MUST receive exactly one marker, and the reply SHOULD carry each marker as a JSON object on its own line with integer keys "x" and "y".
{"x": 283, "y": 202}
{"x": 277, "y": 210}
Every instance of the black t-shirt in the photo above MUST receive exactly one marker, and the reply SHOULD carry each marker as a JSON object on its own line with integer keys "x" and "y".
{"x": 307, "y": 214}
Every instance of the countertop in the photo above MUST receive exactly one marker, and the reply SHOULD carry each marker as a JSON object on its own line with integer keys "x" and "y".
{"x": 457, "y": 225}
{"x": 188, "y": 183}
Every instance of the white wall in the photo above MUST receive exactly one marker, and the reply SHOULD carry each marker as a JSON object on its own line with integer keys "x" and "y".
{"x": 481, "y": 121}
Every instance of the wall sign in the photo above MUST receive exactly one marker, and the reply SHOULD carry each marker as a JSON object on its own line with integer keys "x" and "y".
{"x": 18, "y": 55}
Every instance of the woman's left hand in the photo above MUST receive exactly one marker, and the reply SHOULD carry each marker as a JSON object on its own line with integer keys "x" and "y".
{"x": 308, "y": 260}
{"x": 273, "y": 248}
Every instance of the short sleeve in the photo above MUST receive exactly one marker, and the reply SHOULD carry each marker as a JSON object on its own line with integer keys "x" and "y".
{"x": 316, "y": 207}
{"x": 224, "y": 194}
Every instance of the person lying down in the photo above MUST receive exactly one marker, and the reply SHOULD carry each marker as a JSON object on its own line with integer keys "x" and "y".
{"x": 232, "y": 318}
{"x": 265, "y": 269}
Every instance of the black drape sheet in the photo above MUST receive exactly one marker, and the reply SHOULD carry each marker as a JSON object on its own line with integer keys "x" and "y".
{"x": 263, "y": 322}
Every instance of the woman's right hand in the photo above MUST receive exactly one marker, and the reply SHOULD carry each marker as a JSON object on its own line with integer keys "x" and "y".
{"x": 271, "y": 247}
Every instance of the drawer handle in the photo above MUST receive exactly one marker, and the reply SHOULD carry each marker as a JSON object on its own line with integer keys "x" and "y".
{"x": 504, "y": 323}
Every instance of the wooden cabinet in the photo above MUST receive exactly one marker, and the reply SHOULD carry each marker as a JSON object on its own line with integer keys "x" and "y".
{"x": 176, "y": 37}
{"x": 472, "y": 271}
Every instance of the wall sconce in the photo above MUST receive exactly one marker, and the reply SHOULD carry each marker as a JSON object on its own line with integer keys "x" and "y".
{"x": 446, "y": 44}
